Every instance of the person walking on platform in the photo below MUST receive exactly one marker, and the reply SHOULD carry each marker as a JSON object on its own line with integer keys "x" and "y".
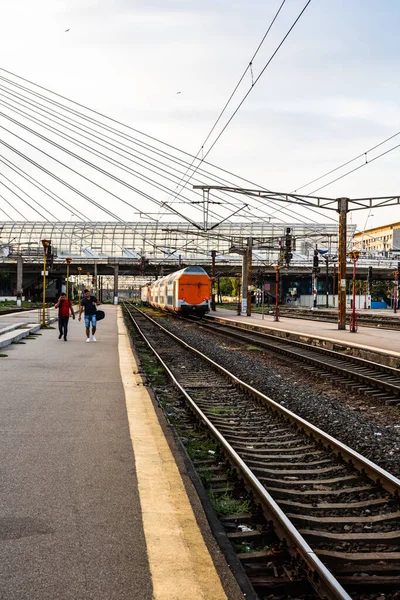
{"x": 64, "y": 308}
{"x": 89, "y": 303}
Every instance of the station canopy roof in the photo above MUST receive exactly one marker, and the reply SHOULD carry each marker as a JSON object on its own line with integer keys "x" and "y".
{"x": 162, "y": 240}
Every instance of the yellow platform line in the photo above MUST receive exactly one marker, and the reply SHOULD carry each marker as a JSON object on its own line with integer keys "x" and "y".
{"x": 180, "y": 564}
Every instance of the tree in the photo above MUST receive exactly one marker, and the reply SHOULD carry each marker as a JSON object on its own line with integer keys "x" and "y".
{"x": 228, "y": 286}
{"x": 382, "y": 290}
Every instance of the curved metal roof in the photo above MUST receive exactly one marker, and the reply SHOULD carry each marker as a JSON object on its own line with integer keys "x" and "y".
{"x": 154, "y": 240}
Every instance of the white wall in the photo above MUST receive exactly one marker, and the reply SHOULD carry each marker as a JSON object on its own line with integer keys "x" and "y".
{"x": 307, "y": 300}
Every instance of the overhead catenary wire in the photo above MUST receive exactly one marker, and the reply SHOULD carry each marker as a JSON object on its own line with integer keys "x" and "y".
{"x": 52, "y": 195}
{"x": 4, "y": 212}
{"x": 348, "y": 162}
{"x": 249, "y": 66}
{"x": 90, "y": 149}
{"x": 257, "y": 79}
{"x": 13, "y": 207}
{"x": 118, "y": 132}
{"x": 79, "y": 128}
{"x": 356, "y": 168}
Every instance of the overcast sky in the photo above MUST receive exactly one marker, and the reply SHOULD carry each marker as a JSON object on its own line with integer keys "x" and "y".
{"x": 331, "y": 92}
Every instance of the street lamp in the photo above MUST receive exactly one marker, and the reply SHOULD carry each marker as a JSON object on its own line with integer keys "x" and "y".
{"x": 68, "y": 261}
{"x": 46, "y": 244}
{"x": 277, "y": 268}
{"x": 354, "y": 255}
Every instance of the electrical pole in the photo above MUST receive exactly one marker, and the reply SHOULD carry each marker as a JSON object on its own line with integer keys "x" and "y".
{"x": 354, "y": 255}
{"x": 245, "y": 277}
{"x": 277, "y": 269}
{"x": 249, "y": 250}
{"x": 46, "y": 244}
{"x": 213, "y": 253}
{"x": 327, "y": 283}
{"x": 239, "y": 302}
{"x": 315, "y": 272}
{"x": 68, "y": 261}
{"x": 343, "y": 209}
{"x": 20, "y": 269}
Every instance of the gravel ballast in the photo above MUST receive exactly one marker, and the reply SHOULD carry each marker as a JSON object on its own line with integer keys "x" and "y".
{"x": 371, "y": 430}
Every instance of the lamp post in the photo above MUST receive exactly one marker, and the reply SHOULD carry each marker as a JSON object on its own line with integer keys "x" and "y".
{"x": 68, "y": 261}
{"x": 354, "y": 255}
{"x": 45, "y": 244}
{"x": 276, "y": 316}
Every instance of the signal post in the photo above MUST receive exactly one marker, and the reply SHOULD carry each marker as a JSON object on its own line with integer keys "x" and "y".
{"x": 395, "y": 290}
{"x": 277, "y": 269}
{"x": 46, "y": 253}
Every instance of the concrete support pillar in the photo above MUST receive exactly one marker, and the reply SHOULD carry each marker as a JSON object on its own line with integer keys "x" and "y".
{"x": 116, "y": 269}
{"x": 20, "y": 272}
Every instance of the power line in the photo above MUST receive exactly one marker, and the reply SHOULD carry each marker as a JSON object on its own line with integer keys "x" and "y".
{"x": 90, "y": 149}
{"x": 249, "y": 66}
{"x": 363, "y": 154}
{"x": 57, "y": 115}
{"x": 259, "y": 76}
{"x": 116, "y": 131}
{"x": 357, "y": 168}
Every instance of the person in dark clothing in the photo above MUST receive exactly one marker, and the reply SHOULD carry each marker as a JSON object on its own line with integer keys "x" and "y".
{"x": 64, "y": 308}
{"x": 88, "y": 304}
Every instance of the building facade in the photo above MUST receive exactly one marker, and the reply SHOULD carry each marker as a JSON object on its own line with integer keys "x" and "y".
{"x": 379, "y": 240}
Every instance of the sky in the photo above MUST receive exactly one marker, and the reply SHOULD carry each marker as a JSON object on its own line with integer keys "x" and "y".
{"x": 330, "y": 93}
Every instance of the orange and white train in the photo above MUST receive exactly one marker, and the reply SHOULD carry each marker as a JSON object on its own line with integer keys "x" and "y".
{"x": 186, "y": 292}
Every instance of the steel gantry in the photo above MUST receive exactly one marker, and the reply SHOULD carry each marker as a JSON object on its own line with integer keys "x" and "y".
{"x": 341, "y": 205}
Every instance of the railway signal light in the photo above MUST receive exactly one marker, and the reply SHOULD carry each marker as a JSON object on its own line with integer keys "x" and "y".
{"x": 316, "y": 261}
{"x": 288, "y": 246}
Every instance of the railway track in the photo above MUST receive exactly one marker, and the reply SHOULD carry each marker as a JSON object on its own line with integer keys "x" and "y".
{"x": 363, "y": 320}
{"x": 380, "y": 381}
{"x": 331, "y": 517}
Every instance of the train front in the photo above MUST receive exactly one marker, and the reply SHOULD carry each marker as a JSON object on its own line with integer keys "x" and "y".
{"x": 193, "y": 286}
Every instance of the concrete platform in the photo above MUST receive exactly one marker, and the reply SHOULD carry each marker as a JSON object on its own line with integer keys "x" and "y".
{"x": 16, "y": 332}
{"x": 382, "y": 342}
{"x": 93, "y": 500}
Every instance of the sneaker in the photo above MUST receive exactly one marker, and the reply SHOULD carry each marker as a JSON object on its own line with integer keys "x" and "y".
{"x": 88, "y": 340}
{"x": 60, "y": 336}
{"x": 65, "y": 339}
{"x": 93, "y": 339}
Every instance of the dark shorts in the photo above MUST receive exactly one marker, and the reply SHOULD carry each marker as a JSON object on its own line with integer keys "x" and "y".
{"x": 90, "y": 319}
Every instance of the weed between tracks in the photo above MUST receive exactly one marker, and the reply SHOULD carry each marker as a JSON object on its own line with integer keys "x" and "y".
{"x": 228, "y": 505}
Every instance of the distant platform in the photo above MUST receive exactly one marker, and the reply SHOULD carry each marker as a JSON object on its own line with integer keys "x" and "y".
{"x": 376, "y": 340}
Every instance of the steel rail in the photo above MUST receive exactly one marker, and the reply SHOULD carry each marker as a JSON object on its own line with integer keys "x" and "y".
{"x": 363, "y": 320}
{"x": 269, "y": 340}
{"x": 320, "y": 578}
{"x": 375, "y": 472}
